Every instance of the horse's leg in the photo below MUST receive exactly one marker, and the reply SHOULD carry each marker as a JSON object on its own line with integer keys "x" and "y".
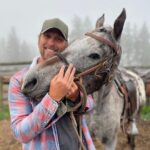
{"x": 131, "y": 141}
{"x": 132, "y": 133}
{"x": 110, "y": 144}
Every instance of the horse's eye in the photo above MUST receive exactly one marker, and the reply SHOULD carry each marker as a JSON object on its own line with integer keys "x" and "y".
{"x": 94, "y": 56}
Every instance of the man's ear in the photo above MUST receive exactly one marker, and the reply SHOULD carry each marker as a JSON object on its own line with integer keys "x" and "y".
{"x": 66, "y": 45}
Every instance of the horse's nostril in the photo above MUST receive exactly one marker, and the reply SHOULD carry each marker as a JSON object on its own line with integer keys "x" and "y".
{"x": 30, "y": 85}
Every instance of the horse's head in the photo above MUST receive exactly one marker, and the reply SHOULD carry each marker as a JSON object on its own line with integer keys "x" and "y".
{"x": 101, "y": 46}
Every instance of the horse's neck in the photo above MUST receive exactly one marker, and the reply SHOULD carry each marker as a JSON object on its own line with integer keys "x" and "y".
{"x": 103, "y": 96}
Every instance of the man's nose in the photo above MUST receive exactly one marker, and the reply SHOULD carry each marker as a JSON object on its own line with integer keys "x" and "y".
{"x": 51, "y": 42}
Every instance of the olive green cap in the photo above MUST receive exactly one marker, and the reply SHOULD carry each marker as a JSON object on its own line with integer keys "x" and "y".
{"x": 57, "y": 24}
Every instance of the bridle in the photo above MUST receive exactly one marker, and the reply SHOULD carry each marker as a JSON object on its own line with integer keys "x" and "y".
{"x": 106, "y": 64}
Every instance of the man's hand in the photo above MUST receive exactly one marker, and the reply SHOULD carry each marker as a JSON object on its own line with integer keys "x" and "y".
{"x": 62, "y": 83}
{"x": 73, "y": 93}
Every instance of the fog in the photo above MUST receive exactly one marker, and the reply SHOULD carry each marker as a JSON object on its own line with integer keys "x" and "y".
{"x": 25, "y": 17}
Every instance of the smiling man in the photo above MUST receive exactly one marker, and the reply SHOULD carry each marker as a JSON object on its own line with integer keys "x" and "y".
{"x": 53, "y": 38}
{"x": 36, "y": 124}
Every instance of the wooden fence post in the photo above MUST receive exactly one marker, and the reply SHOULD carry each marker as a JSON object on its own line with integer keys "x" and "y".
{"x": 5, "y": 72}
{"x": 1, "y": 93}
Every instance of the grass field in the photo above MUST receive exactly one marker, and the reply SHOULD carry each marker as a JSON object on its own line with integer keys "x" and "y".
{"x": 145, "y": 113}
{"x": 4, "y": 112}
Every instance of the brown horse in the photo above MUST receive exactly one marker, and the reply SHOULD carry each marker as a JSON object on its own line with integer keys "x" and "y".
{"x": 145, "y": 75}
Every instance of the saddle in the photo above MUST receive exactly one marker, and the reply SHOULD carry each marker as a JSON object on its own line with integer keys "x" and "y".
{"x": 131, "y": 89}
{"x": 128, "y": 89}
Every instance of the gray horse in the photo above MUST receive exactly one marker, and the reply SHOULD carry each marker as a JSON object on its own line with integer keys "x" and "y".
{"x": 100, "y": 47}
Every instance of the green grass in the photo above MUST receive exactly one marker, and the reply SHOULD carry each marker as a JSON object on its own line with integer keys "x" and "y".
{"x": 4, "y": 112}
{"x": 145, "y": 112}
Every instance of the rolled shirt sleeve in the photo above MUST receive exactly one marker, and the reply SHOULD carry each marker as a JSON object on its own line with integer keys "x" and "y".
{"x": 27, "y": 122}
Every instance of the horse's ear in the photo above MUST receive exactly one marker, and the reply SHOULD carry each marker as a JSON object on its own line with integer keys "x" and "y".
{"x": 118, "y": 25}
{"x": 100, "y": 21}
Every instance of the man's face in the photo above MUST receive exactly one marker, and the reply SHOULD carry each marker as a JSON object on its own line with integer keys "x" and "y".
{"x": 49, "y": 42}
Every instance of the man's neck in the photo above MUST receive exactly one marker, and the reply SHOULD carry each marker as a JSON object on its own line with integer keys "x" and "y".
{"x": 40, "y": 60}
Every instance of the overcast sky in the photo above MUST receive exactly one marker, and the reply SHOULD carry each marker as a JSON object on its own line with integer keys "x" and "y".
{"x": 27, "y": 16}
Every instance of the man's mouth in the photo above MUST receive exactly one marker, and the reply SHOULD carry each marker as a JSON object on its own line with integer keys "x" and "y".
{"x": 50, "y": 50}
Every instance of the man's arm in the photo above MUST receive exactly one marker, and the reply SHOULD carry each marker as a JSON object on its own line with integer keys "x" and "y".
{"x": 26, "y": 123}
{"x": 90, "y": 104}
{"x": 74, "y": 95}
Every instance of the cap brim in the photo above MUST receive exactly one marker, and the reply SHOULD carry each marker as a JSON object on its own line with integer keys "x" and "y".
{"x": 54, "y": 29}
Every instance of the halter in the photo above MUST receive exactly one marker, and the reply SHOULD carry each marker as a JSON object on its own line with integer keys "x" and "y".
{"x": 107, "y": 64}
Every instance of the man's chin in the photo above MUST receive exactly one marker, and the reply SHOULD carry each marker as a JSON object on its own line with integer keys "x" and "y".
{"x": 49, "y": 54}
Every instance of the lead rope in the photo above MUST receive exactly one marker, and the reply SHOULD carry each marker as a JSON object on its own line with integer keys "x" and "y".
{"x": 81, "y": 104}
{"x": 82, "y": 109}
{"x": 79, "y": 135}
{"x": 83, "y": 100}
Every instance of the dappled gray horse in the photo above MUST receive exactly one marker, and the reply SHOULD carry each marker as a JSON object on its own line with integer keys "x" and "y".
{"x": 100, "y": 48}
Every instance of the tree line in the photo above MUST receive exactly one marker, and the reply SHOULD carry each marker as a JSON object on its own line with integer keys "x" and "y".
{"x": 12, "y": 49}
{"x": 135, "y": 43}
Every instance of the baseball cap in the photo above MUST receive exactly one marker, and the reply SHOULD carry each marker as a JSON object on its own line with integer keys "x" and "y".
{"x": 57, "y": 24}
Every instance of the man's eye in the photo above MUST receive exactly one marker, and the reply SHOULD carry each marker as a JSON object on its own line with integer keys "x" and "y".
{"x": 59, "y": 39}
{"x": 47, "y": 36}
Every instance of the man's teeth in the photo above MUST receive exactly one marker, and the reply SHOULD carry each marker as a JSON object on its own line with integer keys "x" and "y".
{"x": 48, "y": 48}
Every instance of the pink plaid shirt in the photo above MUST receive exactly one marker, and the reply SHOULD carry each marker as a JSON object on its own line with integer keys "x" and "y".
{"x": 29, "y": 120}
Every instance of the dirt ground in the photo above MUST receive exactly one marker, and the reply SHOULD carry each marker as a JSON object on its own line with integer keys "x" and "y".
{"x": 7, "y": 142}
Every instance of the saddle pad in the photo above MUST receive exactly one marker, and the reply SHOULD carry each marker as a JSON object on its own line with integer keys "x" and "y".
{"x": 139, "y": 84}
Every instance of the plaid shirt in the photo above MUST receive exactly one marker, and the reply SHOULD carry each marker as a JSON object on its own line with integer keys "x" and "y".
{"x": 30, "y": 121}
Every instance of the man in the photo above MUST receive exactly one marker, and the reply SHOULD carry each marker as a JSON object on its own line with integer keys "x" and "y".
{"x": 37, "y": 125}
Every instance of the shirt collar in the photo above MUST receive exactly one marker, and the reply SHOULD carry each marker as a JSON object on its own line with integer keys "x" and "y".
{"x": 34, "y": 62}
